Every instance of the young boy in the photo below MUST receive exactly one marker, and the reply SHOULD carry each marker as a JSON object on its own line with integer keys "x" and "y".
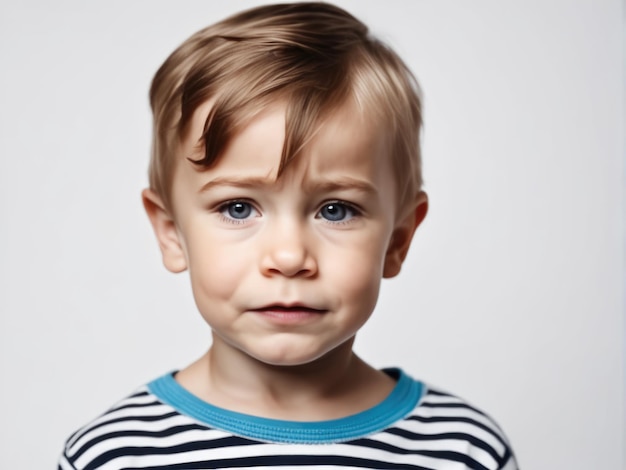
{"x": 285, "y": 177}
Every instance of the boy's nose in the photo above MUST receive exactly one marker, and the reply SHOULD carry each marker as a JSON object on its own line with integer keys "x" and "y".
{"x": 288, "y": 253}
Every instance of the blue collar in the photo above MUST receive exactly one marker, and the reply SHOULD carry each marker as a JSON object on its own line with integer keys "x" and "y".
{"x": 401, "y": 401}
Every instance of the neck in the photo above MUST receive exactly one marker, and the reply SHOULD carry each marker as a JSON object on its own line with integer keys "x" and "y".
{"x": 336, "y": 385}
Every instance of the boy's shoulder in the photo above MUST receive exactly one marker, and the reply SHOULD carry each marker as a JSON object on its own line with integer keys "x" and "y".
{"x": 161, "y": 425}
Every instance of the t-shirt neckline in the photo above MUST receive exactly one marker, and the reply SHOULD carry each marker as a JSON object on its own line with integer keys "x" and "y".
{"x": 402, "y": 400}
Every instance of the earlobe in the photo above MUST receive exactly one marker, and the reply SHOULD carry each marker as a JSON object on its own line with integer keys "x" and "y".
{"x": 403, "y": 235}
{"x": 166, "y": 232}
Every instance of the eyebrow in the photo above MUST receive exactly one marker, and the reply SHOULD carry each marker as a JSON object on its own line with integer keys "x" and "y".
{"x": 324, "y": 185}
{"x": 338, "y": 184}
{"x": 247, "y": 182}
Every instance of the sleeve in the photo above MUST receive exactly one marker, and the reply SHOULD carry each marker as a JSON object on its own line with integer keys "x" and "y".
{"x": 510, "y": 463}
{"x": 64, "y": 463}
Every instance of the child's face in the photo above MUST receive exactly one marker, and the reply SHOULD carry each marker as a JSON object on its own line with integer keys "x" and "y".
{"x": 286, "y": 270}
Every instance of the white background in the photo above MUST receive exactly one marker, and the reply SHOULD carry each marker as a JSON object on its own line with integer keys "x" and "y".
{"x": 513, "y": 293}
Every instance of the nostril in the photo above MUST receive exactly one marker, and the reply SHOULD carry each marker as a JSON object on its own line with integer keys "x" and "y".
{"x": 289, "y": 263}
{"x": 287, "y": 250}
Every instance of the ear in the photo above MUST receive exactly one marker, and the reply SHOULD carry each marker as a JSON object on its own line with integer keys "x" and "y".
{"x": 403, "y": 235}
{"x": 166, "y": 232}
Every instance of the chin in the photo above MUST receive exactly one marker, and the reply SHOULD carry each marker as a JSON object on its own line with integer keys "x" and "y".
{"x": 286, "y": 361}
{"x": 288, "y": 357}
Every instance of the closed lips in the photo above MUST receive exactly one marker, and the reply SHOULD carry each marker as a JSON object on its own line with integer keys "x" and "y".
{"x": 289, "y": 308}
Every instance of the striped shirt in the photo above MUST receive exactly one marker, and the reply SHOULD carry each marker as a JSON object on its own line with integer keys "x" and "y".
{"x": 163, "y": 426}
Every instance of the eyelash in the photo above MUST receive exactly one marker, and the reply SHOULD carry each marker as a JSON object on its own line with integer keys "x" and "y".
{"x": 351, "y": 209}
{"x": 233, "y": 220}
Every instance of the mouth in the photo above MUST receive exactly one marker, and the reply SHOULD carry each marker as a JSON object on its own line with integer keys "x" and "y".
{"x": 289, "y": 308}
{"x": 291, "y": 313}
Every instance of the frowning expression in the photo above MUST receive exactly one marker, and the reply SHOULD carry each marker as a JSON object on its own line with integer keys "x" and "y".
{"x": 286, "y": 269}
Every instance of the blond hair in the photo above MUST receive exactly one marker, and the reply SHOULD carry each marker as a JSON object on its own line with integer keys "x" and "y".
{"x": 313, "y": 56}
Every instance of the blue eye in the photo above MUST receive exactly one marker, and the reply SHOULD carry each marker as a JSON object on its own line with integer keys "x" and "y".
{"x": 238, "y": 210}
{"x": 337, "y": 212}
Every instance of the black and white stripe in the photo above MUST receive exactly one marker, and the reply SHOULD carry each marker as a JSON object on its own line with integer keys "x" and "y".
{"x": 442, "y": 433}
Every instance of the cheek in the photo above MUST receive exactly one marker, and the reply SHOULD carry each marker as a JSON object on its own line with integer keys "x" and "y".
{"x": 215, "y": 269}
{"x": 356, "y": 272}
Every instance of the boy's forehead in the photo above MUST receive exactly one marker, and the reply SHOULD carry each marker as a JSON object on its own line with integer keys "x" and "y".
{"x": 351, "y": 136}
{"x": 191, "y": 140}
{"x": 262, "y": 134}
{"x": 346, "y": 130}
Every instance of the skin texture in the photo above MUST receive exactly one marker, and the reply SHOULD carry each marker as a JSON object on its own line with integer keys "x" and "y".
{"x": 285, "y": 271}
